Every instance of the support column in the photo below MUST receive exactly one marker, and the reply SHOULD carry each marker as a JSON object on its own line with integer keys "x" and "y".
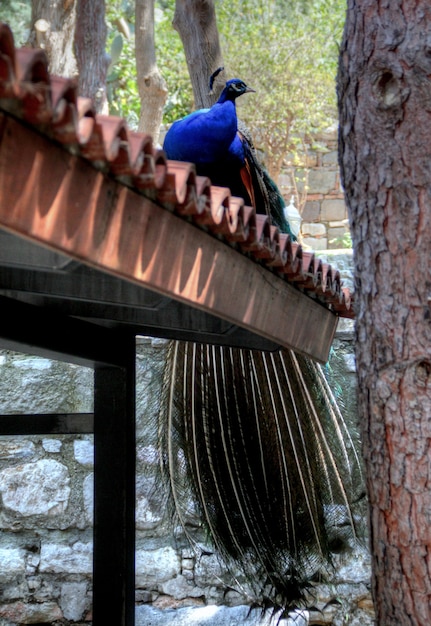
{"x": 114, "y": 493}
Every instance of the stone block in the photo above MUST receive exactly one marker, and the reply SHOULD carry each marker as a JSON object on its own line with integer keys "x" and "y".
{"x": 209, "y": 570}
{"x": 32, "y": 563}
{"x": 88, "y": 494}
{"x": 84, "y": 452}
{"x": 333, "y": 209}
{"x": 149, "y": 508}
{"x": 73, "y": 600}
{"x": 180, "y": 588}
{"x": 350, "y": 363}
{"x": 311, "y": 211}
{"x": 339, "y": 224}
{"x": 319, "y": 181}
{"x": 25, "y": 613}
{"x": 153, "y": 567}
{"x": 12, "y": 562}
{"x": 52, "y": 445}
{"x": 40, "y": 488}
{"x": 64, "y": 559}
{"x": 314, "y": 243}
{"x": 16, "y": 449}
{"x": 330, "y": 158}
{"x": 313, "y": 229}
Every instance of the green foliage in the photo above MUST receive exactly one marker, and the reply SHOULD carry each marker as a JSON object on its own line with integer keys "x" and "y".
{"x": 288, "y": 52}
{"x": 345, "y": 241}
{"x": 17, "y": 14}
{"x": 172, "y": 63}
{"x": 122, "y": 87}
{"x": 285, "y": 49}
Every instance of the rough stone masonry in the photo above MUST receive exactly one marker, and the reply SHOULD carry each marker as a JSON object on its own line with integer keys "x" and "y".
{"x": 46, "y": 513}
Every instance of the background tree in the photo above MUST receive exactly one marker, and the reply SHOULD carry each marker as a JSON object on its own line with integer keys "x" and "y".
{"x": 61, "y": 29}
{"x": 288, "y": 52}
{"x": 53, "y": 29}
{"x": 151, "y": 84}
{"x": 385, "y": 153}
{"x": 196, "y": 23}
{"x": 90, "y": 52}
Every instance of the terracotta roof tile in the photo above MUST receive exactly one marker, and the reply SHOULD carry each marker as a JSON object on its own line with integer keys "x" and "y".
{"x": 52, "y": 105}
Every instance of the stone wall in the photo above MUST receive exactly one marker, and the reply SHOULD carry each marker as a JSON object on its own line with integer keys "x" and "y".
{"x": 46, "y": 512}
{"x": 324, "y": 214}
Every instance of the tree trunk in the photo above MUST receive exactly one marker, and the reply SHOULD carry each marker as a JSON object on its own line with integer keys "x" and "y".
{"x": 73, "y": 35}
{"x": 195, "y": 21}
{"x": 151, "y": 85}
{"x": 52, "y": 28}
{"x": 385, "y": 153}
{"x": 90, "y": 42}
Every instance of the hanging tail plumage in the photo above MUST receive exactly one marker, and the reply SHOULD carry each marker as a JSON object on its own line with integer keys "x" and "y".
{"x": 258, "y": 440}
{"x": 254, "y": 440}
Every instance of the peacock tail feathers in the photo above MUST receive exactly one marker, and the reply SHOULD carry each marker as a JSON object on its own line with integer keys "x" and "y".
{"x": 263, "y": 192}
{"x": 255, "y": 442}
{"x": 252, "y": 440}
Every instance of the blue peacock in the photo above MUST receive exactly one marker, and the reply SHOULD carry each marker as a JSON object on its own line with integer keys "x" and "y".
{"x": 257, "y": 437}
{"x": 210, "y": 138}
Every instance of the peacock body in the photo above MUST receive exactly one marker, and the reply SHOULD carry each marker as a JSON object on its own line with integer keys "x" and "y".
{"x": 210, "y": 139}
{"x": 257, "y": 437}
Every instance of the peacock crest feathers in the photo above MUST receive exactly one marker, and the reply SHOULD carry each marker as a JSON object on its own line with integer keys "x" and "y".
{"x": 213, "y": 77}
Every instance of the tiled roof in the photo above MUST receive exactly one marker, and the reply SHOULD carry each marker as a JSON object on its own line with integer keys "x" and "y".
{"x": 44, "y": 114}
{"x": 52, "y": 104}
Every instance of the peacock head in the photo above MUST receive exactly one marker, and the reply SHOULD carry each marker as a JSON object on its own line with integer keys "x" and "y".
{"x": 233, "y": 88}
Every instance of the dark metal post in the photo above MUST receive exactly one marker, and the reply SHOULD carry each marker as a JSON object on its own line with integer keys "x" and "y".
{"x": 114, "y": 485}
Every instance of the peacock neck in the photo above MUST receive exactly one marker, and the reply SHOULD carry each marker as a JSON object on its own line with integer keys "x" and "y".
{"x": 227, "y": 96}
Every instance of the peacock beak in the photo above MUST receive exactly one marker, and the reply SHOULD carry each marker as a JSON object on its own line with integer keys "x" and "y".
{"x": 249, "y": 90}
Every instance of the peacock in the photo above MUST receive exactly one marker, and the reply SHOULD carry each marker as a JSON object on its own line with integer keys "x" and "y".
{"x": 211, "y": 139}
{"x": 256, "y": 438}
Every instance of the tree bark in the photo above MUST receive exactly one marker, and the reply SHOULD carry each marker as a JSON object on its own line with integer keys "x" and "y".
{"x": 195, "y": 21}
{"x": 73, "y": 35}
{"x": 90, "y": 42}
{"x": 152, "y": 86}
{"x": 53, "y": 27}
{"x": 384, "y": 94}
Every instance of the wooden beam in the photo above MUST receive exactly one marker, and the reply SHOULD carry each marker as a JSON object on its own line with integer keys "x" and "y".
{"x": 36, "y": 330}
{"x": 61, "y": 201}
{"x": 98, "y": 297}
{"x": 47, "y": 424}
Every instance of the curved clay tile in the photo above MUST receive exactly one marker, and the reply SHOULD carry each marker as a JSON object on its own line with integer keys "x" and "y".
{"x": 203, "y": 189}
{"x": 141, "y": 159}
{"x": 160, "y": 169}
{"x": 214, "y": 216}
{"x": 238, "y": 230}
{"x": 180, "y": 187}
{"x": 64, "y": 94}
{"x": 32, "y": 84}
{"x": 7, "y": 58}
{"x": 116, "y": 140}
